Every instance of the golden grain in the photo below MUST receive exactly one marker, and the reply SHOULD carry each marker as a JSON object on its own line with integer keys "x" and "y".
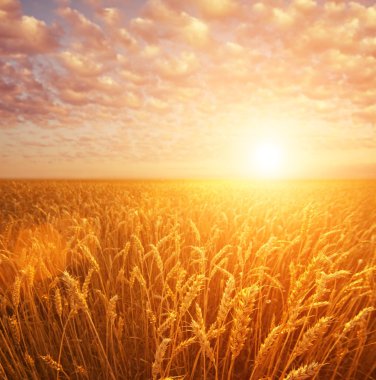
{"x": 174, "y": 280}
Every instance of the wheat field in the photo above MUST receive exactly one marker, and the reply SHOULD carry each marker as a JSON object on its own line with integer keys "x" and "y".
{"x": 187, "y": 280}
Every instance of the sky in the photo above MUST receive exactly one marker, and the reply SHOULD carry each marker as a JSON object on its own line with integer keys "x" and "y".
{"x": 182, "y": 89}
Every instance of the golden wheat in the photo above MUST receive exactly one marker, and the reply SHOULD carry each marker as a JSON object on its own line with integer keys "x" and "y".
{"x": 194, "y": 280}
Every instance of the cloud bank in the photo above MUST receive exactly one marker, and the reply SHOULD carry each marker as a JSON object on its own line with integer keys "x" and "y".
{"x": 172, "y": 81}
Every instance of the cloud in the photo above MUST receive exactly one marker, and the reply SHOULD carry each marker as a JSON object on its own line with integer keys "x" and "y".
{"x": 169, "y": 74}
{"x": 110, "y": 16}
{"x": 177, "y": 67}
{"x": 216, "y": 9}
{"x": 83, "y": 29}
{"x": 160, "y": 21}
{"x": 80, "y": 64}
{"x": 23, "y": 34}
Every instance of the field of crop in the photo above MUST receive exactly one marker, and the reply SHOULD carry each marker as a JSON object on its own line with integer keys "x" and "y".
{"x": 187, "y": 280}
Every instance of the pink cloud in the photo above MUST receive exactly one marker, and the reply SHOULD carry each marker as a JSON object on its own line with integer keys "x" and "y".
{"x": 110, "y": 16}
{"x": 83, "y": 29}
{"x": 177, "y": 67}
{"x": 162, "y": 21}
{"x": 21, "y": 34}
{"x": 80, "y": 64}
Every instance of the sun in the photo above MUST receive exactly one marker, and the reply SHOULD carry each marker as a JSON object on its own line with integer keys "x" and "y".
{"x": 267, "y": 159}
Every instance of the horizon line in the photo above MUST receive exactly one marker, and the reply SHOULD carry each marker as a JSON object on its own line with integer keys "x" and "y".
{"x": 254, "y": 179}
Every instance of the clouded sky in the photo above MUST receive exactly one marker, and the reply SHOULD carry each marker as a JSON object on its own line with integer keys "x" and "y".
{"x": 166, "y": 88}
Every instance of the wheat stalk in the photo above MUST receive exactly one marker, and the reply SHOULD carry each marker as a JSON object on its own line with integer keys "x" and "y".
{"x": 16, "y": 292}
{"x": 159, "y": 356}
{"x": 243, "y": 308}
{"x": 198, "y": 328}
{"x": 51, "y": 362}
{"x": 58, "y": 302}
{"x": 268, "y": 345}
{"x": 191, "y": 293}
{"x": 307, "y": 371}
{"x": 357, "y": 320}
{"x": 311, "y": 336}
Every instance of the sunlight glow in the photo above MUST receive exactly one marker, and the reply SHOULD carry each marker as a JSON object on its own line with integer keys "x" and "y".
{"x": 268, "y": 159}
